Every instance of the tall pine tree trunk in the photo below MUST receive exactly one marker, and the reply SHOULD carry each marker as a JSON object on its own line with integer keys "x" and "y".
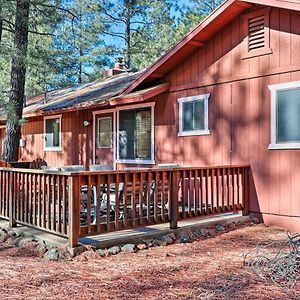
{"x": 1, "y": 21}
{"x": 18, "y": 73}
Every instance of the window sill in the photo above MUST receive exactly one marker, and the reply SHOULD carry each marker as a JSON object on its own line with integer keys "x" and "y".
{"x": 59, "y": 149}
{"x": 104, "y": 147}
{"x": 194, "y": 132}
{"x": 284, "y": 146}
{"x": 256, "y": 53}
{"x": 135, "y": 161}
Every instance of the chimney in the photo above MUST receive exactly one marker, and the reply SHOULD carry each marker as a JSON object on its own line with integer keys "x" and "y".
{"x": 118, "y": 68}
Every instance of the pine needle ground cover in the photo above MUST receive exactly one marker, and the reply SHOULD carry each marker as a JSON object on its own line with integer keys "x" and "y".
{"x": 211, "y": 268}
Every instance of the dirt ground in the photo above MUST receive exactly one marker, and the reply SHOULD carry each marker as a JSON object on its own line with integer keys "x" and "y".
{"x": 206, "y": 269}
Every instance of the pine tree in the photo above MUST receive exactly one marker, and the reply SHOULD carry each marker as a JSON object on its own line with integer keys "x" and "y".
{"x": 129, "y": 22}
{"x": 18, "y": 72}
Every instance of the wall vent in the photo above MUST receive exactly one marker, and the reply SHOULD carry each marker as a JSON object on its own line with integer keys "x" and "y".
{"x": 256, "y": 29}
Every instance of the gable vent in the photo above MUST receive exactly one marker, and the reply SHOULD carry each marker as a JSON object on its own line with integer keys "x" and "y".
{"x": 256, "y": 33}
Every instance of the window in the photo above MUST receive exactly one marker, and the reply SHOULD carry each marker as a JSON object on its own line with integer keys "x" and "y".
{"x": 105, "y": 132}
{"x": 52, "y": 133}
{"x": 285, "y": 115}
{"x": 256, "y": 27}
{"x": 193, "y": 115}
{"x": 136, "y": 135}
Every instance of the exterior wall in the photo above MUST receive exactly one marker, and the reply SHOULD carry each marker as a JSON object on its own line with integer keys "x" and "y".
{"x": 76, "y": 140}
{"x": 239, "y": 114}
{"x": 239, "y": 117}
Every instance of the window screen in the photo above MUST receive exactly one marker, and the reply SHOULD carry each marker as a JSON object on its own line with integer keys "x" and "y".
{"x": 52, "y": 133}
{"x": 193, "y": 115}
{"x": 288, "y": 116}
{"x": 135, "y": 134}
{"x": 104, "y": 132}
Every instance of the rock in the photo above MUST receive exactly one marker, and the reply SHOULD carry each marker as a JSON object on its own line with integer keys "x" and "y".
{"x": 89, "y": 254}
{"x": 114, "y": 250}
{"x": 3, "y": 231}
{"x": 52, "y": 254}
{"x": 3, "y": 236}
{"x": 41, "y": 247}
{"x": 129, "y": 248}
{"x": 173, "y": 236}
{"x": 82, "y": 258}
{"x": 254, "y": 219}
{"x": 184, "y": 237}
{"x": 211, "y": 232}
{"x": 10, "y": 240}
{"x": 102, "y": 252}
{"x": 11, "y": 233}
{"x": 142, "y": 246}
{"x": 219, "y": 228}
{"x": 149, "y": 243}
{"x": 231, "y": 226}
{"x": 21, "y": 242}
{"x": 166, "y": 255}
{"x": 168, "y": 239}
{"x": 159, "y": 242}
{"x": 198, "y": 233}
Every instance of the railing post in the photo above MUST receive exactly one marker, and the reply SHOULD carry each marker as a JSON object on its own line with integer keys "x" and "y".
{"x": 74, "y": 210}
{"x": 11, "y": 202}
{"x": 246, "y": 199}
{"x": 174, "y": 200}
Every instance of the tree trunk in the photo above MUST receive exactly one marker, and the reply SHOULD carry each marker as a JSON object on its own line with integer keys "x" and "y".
{"x": 80, "y": 67}
{"x": 128, "y": 44}
{"x": 15, "y": 105}
{"x": 1, "y": 22}
{"x": 128, "y": 9}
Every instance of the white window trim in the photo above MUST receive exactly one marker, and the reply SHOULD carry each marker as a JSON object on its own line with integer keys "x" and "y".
{"x": 95, "y": 115}
{"x": 274, "y": 89}
{"x": 205, "y": 131}
{"x": 111, "y": 135}
{"x": 137, "y": 161}
{"x": 59, "y": 148}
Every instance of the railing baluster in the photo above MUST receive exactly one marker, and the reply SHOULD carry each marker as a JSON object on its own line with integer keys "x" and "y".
{"x": 141, "y": 196}
{"x": 117, "y": 202}
{"x": 163, "y": 193}
{"x": 155, "y": 204}
{"x": 98, "y": 202}
{"x": 133, "y": 202}
{"x": 64, "y": 205}
{"x": 108, "y": 183}
{"x": 125, "y": 222}
{"x": 218, "y": 190}
{"x": 59, "y": 202}
{"x": 89, "y": 202}
{"x": 190, "y": 193}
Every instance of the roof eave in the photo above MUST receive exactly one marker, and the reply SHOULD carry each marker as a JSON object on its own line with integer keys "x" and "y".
{"x": 140, "y": 97}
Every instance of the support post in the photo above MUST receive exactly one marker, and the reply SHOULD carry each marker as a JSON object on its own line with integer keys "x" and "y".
{"x": 74, "y": 210}
{"x": 11, "y": 202}
{"x": 246, "y": 199}
{"x": 174, "y": 200}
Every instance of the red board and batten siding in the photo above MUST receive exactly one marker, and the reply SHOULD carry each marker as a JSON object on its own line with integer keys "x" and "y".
{"x": 240, "y": 105}
{"x": 239, "y": 117}
{"x": 77, "y": 140}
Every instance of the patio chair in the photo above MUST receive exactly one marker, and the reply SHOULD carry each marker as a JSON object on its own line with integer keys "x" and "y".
{"x": 106, "y": 167}
{"x": 72, "y": 168}
{"x": 50, "y": 168}
{"x": 37, "y": 164}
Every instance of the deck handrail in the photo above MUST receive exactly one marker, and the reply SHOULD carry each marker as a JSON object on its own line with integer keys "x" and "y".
{"x": 78, "y": 204}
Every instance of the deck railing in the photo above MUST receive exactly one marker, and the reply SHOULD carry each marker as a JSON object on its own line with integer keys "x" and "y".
{"x": 82, "y": 204}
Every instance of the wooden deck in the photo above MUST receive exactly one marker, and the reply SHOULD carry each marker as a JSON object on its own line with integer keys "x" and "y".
{"x": 77, "y": 205}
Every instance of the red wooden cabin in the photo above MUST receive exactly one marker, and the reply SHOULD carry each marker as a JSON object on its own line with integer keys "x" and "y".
{"x": 227, "y": 94}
